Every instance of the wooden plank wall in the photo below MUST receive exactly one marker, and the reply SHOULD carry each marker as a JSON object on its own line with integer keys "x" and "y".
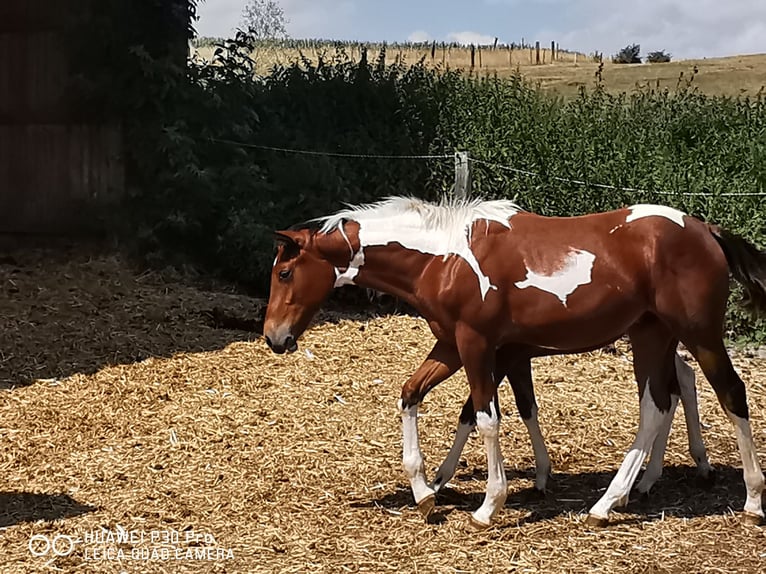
{"x": 53, "y": 166}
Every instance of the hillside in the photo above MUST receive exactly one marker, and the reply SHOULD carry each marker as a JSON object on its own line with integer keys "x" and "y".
{"x": 734, "y": 75}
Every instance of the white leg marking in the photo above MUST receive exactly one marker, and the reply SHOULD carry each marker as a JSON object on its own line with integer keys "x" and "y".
{"x": 750, "y": 467}
{"x": 447, "y": 469}
{"x": 542, "y": 460}
{"x": 497, "y": 484}
{"x": 654, "y": 469}
{"x": 412, "y": 458}
{"x": 650, "y": 422}
{"x": 686, "y": 382}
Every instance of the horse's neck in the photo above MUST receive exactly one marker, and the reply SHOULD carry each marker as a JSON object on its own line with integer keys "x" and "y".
{"x": 392, "y": 269}
{"x": 387, "y": 268}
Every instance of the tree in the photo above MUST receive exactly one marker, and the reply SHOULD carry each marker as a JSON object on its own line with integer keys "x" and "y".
{"x": 264, "y": 19}
{"x": 658, "y": 57}
{"x": 628, "y": 55}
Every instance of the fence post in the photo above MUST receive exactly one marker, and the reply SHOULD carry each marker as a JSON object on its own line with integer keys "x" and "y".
{"x": 537, "y": 53}
{"x": 462, "y": 175}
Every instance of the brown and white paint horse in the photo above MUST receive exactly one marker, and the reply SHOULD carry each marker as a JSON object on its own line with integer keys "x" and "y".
{"x": 493, "y": 280}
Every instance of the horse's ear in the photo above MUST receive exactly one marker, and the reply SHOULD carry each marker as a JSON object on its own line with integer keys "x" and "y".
{"x": 292, "y": 238}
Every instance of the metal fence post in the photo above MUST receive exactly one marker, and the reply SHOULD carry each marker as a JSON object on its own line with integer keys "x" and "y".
{"x": 462, "y": 175}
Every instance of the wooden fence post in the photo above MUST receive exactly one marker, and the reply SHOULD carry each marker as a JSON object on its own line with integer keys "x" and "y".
{"x": 462, "y": 175}
{"x": 537, "y": 53}
{"x": 553, "y": 51}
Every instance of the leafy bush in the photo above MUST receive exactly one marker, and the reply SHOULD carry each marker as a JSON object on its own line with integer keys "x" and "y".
{"x": 628, "y": 55}
{"x": 196, "y": 196}
{"x": 658, "y": 57}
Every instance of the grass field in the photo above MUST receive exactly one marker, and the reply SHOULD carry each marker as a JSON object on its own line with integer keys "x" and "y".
{"x": 735, "y": 75}
{"x": 126, "y": 408}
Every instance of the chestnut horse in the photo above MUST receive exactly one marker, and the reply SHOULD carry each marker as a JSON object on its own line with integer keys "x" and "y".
{"x": 491, "y": 278}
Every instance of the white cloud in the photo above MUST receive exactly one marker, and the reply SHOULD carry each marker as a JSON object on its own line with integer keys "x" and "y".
{"x": 685, "y": 28}
{"x": 419, "y": 36}
{"x": 470, "y": 38}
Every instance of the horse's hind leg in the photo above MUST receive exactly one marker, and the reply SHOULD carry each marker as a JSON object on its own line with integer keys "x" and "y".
{"x": 688, "y": 388}
{"x": 653, "y": 349}
{"x": 683, "y": 376}
{"x": 731, "y": 393}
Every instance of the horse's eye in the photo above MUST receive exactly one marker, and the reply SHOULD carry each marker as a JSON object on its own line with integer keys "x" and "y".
{"x": 285, "y": 273}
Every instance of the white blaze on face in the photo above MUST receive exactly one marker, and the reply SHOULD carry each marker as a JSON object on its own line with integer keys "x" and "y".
{"x": 576, "y": 271}
{"x": 640, "y": 211}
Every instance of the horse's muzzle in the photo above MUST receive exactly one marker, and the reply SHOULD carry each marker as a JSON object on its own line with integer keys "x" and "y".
{"x": 288, "y": 344}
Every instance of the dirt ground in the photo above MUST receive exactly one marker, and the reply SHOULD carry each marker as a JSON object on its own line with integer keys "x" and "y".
{"x": 145, "y": 430}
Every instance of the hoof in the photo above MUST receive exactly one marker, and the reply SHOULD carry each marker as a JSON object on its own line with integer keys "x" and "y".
{"x": 596, "y": 521}
{"x": 437, "y": 485}
{"x": 426, "y": 506}
{"x": 477, "y": 526}
{"x": 751, "y": 519}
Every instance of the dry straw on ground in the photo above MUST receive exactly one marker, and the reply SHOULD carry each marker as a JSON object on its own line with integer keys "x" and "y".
{"x": 140, "y": 415}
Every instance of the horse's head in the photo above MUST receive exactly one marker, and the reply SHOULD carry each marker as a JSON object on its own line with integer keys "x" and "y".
{"x": 300, "y": 282}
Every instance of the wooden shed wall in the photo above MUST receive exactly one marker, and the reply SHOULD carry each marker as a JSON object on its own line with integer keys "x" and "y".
{"x": 54, "y": 166}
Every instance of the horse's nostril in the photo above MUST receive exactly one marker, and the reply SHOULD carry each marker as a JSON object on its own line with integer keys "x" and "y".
{"x": 268, "y": 342}
{"x": 290, "y": 343}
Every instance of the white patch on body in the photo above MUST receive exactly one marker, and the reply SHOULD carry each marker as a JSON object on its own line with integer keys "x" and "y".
{"x": 347, "y": 277}
{"x": 646, "y": 210}
{"x": 576, "y": 271}
{"x": 442, "y": 229}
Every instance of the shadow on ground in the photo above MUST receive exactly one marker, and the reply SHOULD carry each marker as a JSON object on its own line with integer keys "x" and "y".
{"x": 679, "y": 493}
{"x": 17, "y": 507}
{"x": 74, "y": 310}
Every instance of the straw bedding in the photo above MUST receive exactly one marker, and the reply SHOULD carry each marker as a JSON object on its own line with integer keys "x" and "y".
{"x": 126, "y": 407}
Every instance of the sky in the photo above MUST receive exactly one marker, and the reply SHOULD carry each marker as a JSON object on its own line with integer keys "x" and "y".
{"x": 684, "y": 28}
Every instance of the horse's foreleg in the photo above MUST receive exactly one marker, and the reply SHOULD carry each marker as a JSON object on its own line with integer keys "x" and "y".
{"x": 441, "y": 363}
{"x": 520, "y": 376}
{"x": 478, "y": 356}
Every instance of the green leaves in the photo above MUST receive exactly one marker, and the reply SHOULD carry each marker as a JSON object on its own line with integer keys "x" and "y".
{"x": 216, "y": 203}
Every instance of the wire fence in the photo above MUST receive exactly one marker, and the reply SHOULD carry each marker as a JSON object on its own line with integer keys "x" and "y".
{"x": 462, "y": 178}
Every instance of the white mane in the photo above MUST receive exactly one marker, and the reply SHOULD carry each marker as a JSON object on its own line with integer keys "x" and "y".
{"x": 453, "y": 217}
{"x": 439, "y": 229}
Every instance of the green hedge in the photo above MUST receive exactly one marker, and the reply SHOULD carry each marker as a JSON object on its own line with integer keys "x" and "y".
{"x": 216, "y": 204}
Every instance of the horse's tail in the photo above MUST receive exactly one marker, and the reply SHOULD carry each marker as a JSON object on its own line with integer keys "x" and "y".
{"x": 747, "y": 264}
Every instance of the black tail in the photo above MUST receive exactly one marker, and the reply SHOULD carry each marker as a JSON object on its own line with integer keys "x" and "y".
{"x": 747, "y": 264}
